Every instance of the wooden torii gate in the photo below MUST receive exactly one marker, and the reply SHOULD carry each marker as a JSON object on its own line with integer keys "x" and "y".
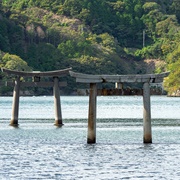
{"x": 146, "y": 79}
{"x": 36, "y": 76}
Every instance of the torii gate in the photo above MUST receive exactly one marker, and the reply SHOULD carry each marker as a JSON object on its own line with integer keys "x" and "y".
{"x": 146, "y": 79}
{"x": 36, "y": 76}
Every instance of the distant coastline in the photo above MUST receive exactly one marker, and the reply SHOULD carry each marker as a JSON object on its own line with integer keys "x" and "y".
{"x": 100, "y": 92}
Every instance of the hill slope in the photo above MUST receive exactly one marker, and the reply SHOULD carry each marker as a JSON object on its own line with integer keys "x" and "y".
{"x": 92, "y": 37}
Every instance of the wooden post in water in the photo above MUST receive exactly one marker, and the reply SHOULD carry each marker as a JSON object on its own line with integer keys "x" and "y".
{"x": 92, "y": 114}
{"x": 57, "y": 104}
{"x": 15, "y": 105}
{"x": 147, "y": 114}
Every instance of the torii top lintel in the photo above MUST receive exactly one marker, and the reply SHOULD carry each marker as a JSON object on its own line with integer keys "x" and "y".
{"x": 57, "y": 73}
{"x": 140, "y": 78}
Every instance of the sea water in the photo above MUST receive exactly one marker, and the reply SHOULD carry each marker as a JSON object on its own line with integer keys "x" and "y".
{"x": 39, "y": 150}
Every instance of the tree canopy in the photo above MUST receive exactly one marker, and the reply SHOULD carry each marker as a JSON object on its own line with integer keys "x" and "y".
{"x": 102, "y": 36}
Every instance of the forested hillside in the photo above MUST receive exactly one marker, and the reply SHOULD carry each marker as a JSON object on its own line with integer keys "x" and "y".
{"x": 96, "y": 37}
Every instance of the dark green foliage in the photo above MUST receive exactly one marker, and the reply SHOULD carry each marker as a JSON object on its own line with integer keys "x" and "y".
{"x": 90, "y": 36}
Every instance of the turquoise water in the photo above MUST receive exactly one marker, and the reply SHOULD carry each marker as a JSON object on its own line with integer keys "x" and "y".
{"x": 39, "y": 150}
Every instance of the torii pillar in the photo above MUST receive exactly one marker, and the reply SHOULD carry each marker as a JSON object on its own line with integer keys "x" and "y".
{"x": 147, "y": 137}
{"x": 15, "y": 105}
{"x": 91, "y": 136}
{"x": 57, "y": 103}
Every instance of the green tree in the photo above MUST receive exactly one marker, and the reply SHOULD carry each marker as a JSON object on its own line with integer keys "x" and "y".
{"x": 4, "y": 40}
{"x": 172, "y": 82}
{"x": 176, "y": 7}
{"x": 14, "y": 62}
{"x": 71, "y": 7}
{"x": 153, "y": 15}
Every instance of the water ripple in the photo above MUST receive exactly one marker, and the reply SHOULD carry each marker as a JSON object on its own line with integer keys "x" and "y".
{"x": 39, "y": 150}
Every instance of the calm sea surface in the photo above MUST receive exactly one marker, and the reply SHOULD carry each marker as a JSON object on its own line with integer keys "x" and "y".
{"x": 40, "y": 150}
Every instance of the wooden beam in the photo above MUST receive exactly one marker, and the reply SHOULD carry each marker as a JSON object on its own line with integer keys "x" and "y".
{"x": 137, "y": 78}
{"x": 58, "y": 73}
{"x": 37, "y": 84}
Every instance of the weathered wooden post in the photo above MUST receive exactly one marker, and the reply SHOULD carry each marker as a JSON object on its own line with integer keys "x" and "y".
{"x": 119, "y": 85}
{"x": 15, "y": 105}
{"x": 147, "y": 114}
{"x": 57, "y": 104}
{"x": 92, "y": 114}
